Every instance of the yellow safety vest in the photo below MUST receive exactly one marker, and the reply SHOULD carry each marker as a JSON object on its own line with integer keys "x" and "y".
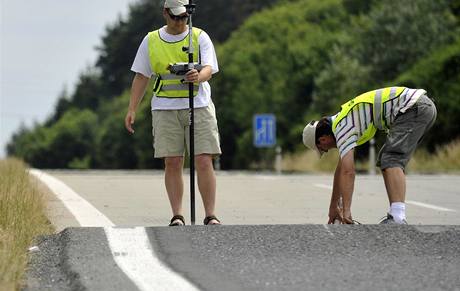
{"x": 162, "y": 54}
{"x": 376, "y": 98}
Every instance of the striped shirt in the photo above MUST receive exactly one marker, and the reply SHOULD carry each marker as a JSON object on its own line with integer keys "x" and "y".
{"x": 351, "y": 128}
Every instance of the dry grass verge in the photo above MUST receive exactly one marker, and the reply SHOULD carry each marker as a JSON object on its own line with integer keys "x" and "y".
{"x": 308, "y": 161}
{"x": 21, "y": 219}
{"x": 446, "y": 159}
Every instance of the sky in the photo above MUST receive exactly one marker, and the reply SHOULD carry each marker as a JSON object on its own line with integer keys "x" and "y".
{"x": 44, "y": 46}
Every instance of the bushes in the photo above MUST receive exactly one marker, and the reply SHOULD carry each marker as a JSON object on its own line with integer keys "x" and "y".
{"x": 439, "y": 74}
{"x": 60, "y": 145}
{"x": 298, "y": 59}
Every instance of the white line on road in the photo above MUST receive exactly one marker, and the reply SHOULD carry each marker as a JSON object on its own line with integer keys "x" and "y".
{"x": 132, "y": 252}
{"x": 324, "y": 186}
{"x": 84, "y": 212}
{"x": 266, "y": 177}
{"x": 416, "y": 203}
{"x": 130, "y": 247}
{"x": 430, "y": 206}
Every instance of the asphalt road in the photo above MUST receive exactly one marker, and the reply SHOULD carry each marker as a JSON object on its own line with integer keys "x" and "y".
{"x": 274, "y": 237}
{"x": 139, "y": 198}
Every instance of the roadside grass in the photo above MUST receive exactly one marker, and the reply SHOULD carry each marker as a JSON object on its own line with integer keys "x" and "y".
{"x": 22, "y": 218}
{"x": 446, "y": 159}
{"x": 308, "y": 161}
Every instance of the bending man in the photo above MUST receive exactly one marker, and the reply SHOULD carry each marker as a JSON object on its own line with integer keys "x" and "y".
{"x": 405, "y": 114}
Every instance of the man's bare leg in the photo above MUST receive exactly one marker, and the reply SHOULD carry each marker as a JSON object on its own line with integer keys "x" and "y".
{"x": 174, "y": 183}
{"x": 395, "y": 183}
{"x": 206, "y": 183}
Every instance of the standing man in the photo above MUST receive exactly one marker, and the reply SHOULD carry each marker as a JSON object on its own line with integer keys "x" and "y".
{"x": 406, "y": 114}
{"x": 170, "y": 115}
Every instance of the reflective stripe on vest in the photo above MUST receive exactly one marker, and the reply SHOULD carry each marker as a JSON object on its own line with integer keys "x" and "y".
{"x": 162, "y": 54}
{"x": 177, "y": 87}
{"x": 171, "y": 77}
{"x": 376, "y": 99}
{"x": 378, "y": 104}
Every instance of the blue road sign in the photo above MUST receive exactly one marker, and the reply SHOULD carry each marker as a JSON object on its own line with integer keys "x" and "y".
{"x": 264, "y": 130}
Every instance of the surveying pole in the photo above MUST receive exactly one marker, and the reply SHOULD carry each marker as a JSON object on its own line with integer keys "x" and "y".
{"x": 190, "y": 9}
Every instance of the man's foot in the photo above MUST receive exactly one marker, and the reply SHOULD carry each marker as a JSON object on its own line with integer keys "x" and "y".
{"x": 349, "y": 221}
{"x": 344, "y": 220}
{"x": 390, "y": 220}
{"x": 177, "y": 220}
{"x": 211, "y": 220}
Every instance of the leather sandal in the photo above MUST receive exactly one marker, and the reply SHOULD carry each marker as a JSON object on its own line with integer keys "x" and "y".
{"x": 349, "y": 221}
{"x": 208, "y": 219}
{"x": 177, "y": 220}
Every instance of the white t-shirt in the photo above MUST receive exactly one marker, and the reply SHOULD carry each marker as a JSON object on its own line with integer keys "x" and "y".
{"x": 208, "y": 57}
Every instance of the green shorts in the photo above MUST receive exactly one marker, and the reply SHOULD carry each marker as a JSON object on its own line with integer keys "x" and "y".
{"x": 171, "y": 132}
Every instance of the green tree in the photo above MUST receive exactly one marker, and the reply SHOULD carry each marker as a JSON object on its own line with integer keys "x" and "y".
{"x": 343, "y": 78}
{"x": 62, "y": 105}
{"x": 298, "y": 59}
{"x": 439, "y": 74}
{"x": 395, "y": 34}
{"x": 69, "y": 139}
{"x": 385, "y": 39}
{"x": 121, "y": 41}
{"x": 88, "y": 94}
{"x": 89, "y": 91}
{"x": 269, "y": 66}
{"x": 114, "y": 147}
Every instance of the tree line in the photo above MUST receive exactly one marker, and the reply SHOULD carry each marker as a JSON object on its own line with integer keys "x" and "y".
{"x": 298, "y": 59}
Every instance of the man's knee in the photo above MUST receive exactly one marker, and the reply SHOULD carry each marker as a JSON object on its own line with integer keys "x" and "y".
{"x": 174, "y": 163}
{"x": 388, "y": 161}
{"x": 203, "y": 162}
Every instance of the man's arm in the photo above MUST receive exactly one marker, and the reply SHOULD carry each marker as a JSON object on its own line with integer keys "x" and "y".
{"x": 334, "y": 210}
{"x": 344, "y": 178}
{"x": 347, "y": 181}
{"x": 138, "y": 88}
{"x": 208, "y": 59}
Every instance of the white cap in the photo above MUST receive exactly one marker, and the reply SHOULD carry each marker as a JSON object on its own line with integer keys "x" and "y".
{"x": 176, "y": 6}
{"x": 309, "y": 137}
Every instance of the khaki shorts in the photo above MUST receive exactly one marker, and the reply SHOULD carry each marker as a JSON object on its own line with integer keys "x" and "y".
{"x": 171, "y": 132}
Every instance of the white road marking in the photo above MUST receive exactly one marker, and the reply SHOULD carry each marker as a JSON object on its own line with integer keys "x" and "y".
{"x": 416, "y": 203}
{"x": 133, "y": 253}
{"x": 84, "y": 212}
{"x": 130, "y": 247}
{"x": 430, "y": 206}
{"x": 266, "y": 177}
{"x": 324, "y": 186}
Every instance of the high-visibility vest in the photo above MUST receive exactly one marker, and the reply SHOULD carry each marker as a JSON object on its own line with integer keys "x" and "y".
{"x": 162, "y": 54}
{"x": 376, "y": 99}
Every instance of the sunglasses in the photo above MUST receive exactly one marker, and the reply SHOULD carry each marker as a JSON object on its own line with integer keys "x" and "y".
{"x": 178, "y": 17}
